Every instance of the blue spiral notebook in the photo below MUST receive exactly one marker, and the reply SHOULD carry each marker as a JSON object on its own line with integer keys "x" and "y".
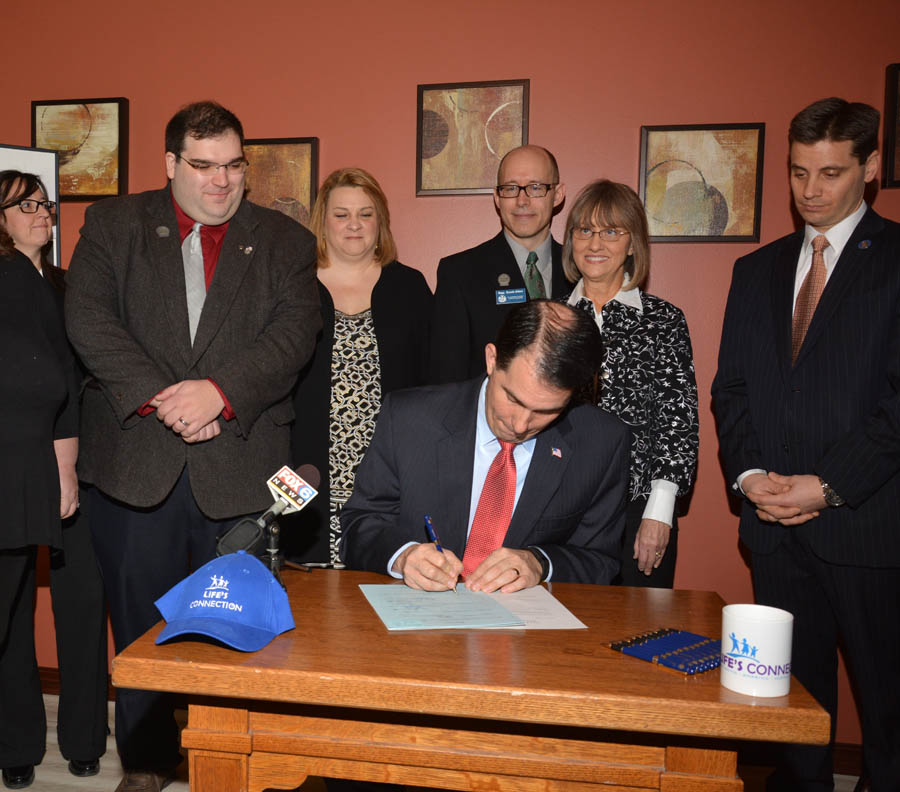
{"x": 681, "y": 651}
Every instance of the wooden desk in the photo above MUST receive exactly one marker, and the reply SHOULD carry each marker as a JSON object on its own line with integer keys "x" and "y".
{"x": 505, "y": 711}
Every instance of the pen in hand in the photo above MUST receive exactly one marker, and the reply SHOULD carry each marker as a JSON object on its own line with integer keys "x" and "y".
{"x": 432, "y": 535}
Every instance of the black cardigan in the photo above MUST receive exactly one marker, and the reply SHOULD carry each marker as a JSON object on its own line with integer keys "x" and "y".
{"x": 38, "y": 404}
{"x": 401, "y": 313}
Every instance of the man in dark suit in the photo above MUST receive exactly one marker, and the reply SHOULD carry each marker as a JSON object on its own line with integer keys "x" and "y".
{"x": 476, "y": 288}
{"x": 193, "y": 310}
{"x": 808, "y": 410}
{"x": 434, "y": 450}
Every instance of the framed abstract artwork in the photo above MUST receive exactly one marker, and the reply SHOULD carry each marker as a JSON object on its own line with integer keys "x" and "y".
{"x": 702, "y": 183}
{"x": 891, "y": 146}
{"x": 463, "y": 130}
{"x": 43, "y": 163}
{"x": 283, "y": 174}
{"x": 91, "y": 138}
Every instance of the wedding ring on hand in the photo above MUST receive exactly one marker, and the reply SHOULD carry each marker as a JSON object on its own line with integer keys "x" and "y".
{"x": 658, "y": 554}
{"x": 183, "y": 422}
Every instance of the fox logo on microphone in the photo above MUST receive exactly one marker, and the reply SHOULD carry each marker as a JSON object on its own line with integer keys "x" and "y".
{"x": 287, "y": 485}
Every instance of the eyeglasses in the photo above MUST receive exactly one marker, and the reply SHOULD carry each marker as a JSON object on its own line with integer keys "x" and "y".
{"x": 606, "y": 234}
{"x": 533, "y": 190}
{"x": 232, "y": 168}
{"x": 30, "y": 206}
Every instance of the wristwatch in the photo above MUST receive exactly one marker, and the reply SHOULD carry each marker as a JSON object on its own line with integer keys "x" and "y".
{"x": 831, "y": 497}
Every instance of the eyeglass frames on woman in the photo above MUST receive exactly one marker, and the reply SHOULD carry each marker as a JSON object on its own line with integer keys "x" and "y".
{"x": 606, "y": 234}
{"x": 232, "y": 168}
{"x": 30, "y": 206}
{"x": 533, "y": 190}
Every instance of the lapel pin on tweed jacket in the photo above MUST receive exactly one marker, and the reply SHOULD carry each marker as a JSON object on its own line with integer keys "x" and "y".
{"x": 503, "y": 279}
{"x": 247, "y": 249}
{"x": 162, "y": 232}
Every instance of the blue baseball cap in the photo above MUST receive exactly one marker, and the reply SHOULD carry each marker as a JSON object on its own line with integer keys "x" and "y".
{"x": 234, "y": 599}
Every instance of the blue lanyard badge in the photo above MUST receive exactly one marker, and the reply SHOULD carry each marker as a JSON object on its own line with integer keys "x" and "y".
{"x": 507, "y": 296}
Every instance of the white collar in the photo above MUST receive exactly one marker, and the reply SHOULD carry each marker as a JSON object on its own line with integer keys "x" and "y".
{"x": 838, "y": 235}
{"x": 628, "y": 297}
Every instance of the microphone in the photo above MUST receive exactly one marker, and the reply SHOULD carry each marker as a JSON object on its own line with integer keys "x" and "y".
{"x": 292, "y": 491}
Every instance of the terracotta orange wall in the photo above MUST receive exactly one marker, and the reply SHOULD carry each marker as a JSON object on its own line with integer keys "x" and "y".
{"x": 347, "y": 73}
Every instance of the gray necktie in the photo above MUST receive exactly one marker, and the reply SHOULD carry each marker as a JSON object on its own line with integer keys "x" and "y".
{"x": 194, "y": 277}
{"x": 534, "y": 281}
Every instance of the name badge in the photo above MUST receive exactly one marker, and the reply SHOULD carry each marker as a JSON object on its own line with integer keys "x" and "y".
{"x": 506, "y": 296}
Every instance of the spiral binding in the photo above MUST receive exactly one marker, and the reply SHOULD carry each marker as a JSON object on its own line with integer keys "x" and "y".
{"x": 681, "y": 651}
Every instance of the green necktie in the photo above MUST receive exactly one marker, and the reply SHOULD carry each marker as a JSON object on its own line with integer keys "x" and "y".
{"x": 533, "y": 280}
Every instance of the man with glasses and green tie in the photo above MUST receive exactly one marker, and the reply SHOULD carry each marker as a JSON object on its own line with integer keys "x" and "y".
{"x": 476, "y": 288}
{"x": 193, "y": 311}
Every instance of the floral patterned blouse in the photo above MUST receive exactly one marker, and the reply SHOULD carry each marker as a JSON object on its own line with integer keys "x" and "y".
{"x": 648, "y": 381}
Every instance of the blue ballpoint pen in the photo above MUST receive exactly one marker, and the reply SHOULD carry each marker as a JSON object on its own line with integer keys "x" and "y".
{"x": 432, "y": 535}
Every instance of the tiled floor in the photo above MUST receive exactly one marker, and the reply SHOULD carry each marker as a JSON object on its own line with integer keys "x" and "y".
{"x": 53, "y": 775}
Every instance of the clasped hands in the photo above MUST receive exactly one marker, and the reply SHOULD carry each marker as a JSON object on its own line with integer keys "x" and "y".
{"x": 190, "y": 409}
{"x": 425, "y": 567}
{"x": 789, "y": 500}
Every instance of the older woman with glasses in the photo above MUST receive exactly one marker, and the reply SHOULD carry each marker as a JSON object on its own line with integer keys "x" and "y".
{"x": 648, "y": 372}
{"x": 376, "y": 316}
{"x": 39, "y": 489}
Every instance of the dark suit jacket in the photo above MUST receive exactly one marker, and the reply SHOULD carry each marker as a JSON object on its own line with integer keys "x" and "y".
{"x": 420, "y": 462}
{"x": 401, "y": 313}
{"x": 836, "y": 413}
{"x": 126, "y": 314}
{"x": 466, "y": 314}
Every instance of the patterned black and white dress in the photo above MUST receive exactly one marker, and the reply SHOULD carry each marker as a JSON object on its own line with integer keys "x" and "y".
{"x": 401, "y": 318}
{"x": 648, "y": 381}
{"x": 355, "y": 403}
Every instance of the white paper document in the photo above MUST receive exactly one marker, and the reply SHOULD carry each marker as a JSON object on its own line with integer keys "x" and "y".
{"x": 539, "y": 609}
{"x": 402, "y": 608}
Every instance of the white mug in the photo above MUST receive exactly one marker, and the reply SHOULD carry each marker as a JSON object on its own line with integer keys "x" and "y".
{"x": 756, "y": 650}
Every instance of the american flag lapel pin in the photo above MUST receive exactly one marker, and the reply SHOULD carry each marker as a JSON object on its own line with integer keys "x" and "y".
{"x": 556, "y": 452}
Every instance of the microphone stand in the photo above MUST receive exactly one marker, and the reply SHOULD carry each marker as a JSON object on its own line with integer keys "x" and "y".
{"x": 273, "y": 551}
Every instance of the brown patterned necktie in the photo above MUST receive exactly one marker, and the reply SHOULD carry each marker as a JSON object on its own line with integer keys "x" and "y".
{"x": 808, "y": 296}
{"x": 494, "y": 510}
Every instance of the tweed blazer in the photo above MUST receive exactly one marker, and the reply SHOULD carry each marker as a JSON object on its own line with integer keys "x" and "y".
{"x": 126, "y": 314}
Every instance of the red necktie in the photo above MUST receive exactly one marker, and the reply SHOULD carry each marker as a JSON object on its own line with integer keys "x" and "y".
{"x": 808, "y": 296}
{"x": 495, "y": 508}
